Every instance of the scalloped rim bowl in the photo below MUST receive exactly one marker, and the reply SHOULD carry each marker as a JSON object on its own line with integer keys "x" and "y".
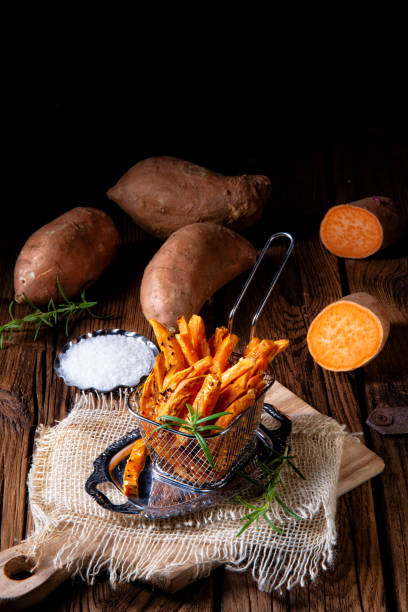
{"x": 102, "y": 332}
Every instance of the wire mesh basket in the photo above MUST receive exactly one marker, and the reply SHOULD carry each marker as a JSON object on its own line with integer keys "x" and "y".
{"x": 179, "y": 457}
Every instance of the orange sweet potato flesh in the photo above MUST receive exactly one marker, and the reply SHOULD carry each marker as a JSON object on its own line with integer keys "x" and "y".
{"x": 360, "y": 229}
{"x": 76, "y": 247}
{"x": 134, "y": 467}
{"x": 163, "y": 194}
{"x": 198, "y": 336}
{"x": 349, "y": 333}
{"x": 169, "y": 345}
{"x": 207, "y": 396}
{"x": 240, "y": 405}
{"x": 189, "y": 268}
{"x": 175, "y": 403}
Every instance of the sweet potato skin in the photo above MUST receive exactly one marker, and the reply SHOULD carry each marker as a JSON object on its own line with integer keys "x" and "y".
{"x": 76, "y": 247}
{"x": 163, "y": 194}
{"x": 189, "y": 267}
{"x": 390, "y": 223}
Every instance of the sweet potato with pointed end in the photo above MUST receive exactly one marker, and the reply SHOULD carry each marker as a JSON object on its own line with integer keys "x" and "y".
{"x": 76, "y": 248}
{"x": 190, "y": 266}
{"x": 361, "y": 228}
{"x": 349, "y": 333}
{"x": 163, "y": 194}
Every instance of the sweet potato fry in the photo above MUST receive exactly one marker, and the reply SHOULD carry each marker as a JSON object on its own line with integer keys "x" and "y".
{"x": 148, "y": 397}
{"x": 266, "y": 348}
{"x": 223, "y": 353}
{"x": 251, "y": 346}
{"x": 261, "y": 363}
{"x": 241, "y": 404}
{"x": 134, "y": 467}
{"x": 184, "y": 393}
{"x": 216, "y": 339}
{"x": 173, "y": 378}
{"x": 232, "y": 392}
{"x": 208, "y": 395}
{"x": 189, "y": 351}
{"x": 159, "y": 372}
{"x": 254, "y": 381}
{"x": 169, "y": 346}
{"x": 198, "y": 337}
{"x": 205, "y": 399}
{"x": 203, "y": 366}
{"x": 282, "y": 345}
{"x": 183, "y": 326}
{"x": 260, "y": 388}
{"x": 241, "y": 367}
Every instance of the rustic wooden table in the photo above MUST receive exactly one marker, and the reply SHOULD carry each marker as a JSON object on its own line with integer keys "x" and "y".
{"x": 371, "y": 567}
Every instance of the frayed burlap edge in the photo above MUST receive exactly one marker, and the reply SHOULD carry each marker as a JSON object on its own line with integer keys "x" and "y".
{"x": 130, "y": 547}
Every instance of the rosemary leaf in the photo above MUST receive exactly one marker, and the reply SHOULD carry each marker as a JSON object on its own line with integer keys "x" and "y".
{"x": 272, "y": 470}
{"x": 272, "y": 525}
{"x": 205, "y": 448}
{"x": 298, "y": 472}
{"x": 286, "y": 509}
{"x": 64, "y": 297}
{"x": 50, "y": 316}
{"x": 211, "y": 417}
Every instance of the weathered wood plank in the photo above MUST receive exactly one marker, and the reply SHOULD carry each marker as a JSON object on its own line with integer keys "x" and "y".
{"x": 117, "y": 293}
{"x": 76, "y": 596}
{"x": 372, "y": 169}
{"x": 312, "y": 280}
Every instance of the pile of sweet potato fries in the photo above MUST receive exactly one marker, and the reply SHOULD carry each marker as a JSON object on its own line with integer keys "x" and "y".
{"x": 191, "y": 370}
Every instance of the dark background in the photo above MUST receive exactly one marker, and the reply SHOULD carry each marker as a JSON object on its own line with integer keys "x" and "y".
{"x": 69, "y": 143}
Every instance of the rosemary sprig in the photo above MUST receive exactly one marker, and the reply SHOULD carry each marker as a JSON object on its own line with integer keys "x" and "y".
{"x": 67, "y": 310}
{"x": 195, "y": 425}
{"x": 272, "y": 469}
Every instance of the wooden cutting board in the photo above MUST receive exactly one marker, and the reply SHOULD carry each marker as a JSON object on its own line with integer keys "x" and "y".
{"x": 359, "y": 464}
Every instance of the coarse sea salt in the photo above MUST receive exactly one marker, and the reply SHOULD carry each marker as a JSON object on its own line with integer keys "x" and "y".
{"x": 107, "y": 361}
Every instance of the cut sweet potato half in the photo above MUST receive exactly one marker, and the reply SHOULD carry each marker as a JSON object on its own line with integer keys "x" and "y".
{"x": 349, "y": 333}
{"x": 359, "y": 229}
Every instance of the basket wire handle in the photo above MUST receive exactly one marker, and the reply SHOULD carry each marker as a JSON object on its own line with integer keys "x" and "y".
{"x": 271, "y": 286}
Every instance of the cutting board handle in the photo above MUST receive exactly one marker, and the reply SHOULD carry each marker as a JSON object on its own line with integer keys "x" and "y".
{"x": 21, "y": 586}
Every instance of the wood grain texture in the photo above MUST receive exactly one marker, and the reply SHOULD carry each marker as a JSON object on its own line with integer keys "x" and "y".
{"x": 374, "y": 169}
{"x": 358, "y": 464}
{"x": 306, "y": 183}
{"x": 367, "y": 464}
{"x": 311, "y": 280}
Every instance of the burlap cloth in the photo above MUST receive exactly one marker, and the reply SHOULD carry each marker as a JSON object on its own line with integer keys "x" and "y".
{"x": 131, "y": 547}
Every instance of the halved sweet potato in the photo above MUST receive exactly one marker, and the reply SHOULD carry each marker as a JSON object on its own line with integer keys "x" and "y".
{"x": 359, "y": 229}
{"x": 349, "y": 333}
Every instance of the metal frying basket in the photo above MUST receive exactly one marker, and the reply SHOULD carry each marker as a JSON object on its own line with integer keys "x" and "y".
{"x": 177, "y": 456}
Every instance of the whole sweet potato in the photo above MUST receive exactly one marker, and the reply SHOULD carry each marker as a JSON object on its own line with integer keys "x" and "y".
{"x": 191, "y": 265}
{"x": 163, "y": 194}
{"x": 76, "y": 247}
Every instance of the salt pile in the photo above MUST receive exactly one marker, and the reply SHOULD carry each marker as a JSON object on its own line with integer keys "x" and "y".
{"x": 105, "y": 362}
